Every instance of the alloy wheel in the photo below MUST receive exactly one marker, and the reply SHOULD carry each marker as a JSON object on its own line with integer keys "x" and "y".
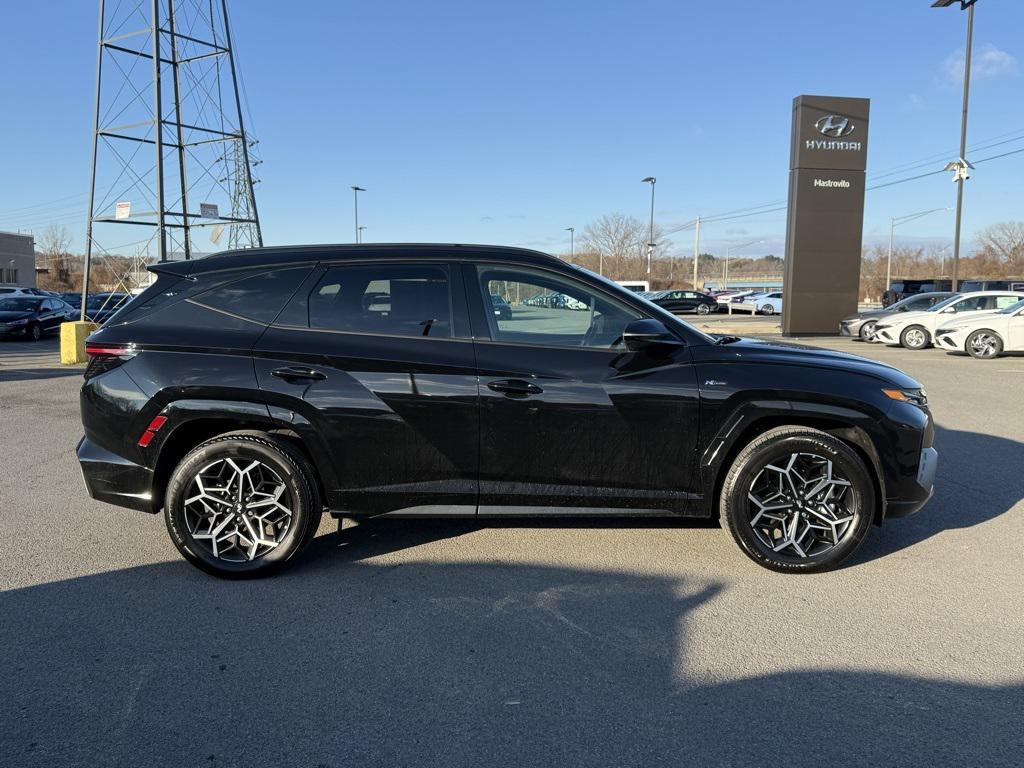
{"x": 916, "y": 338}
{"x": 984, "y": 345}
{"x": 703, "y": 309}
{"x": 801, "y": 506}
{"x": 238, "y": 510}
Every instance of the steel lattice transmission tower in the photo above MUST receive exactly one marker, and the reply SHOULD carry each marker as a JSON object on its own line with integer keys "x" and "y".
{"x": 170, "y": 150}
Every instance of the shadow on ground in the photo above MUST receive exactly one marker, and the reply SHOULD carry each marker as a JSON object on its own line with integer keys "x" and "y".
{"x": 979, "y": 478}
{"x": 344, "y": 662}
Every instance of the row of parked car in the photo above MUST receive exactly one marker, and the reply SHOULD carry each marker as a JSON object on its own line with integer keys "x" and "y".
{"x": 755, "y": 302}
{"x": 31, "y": 313}
{"x": 984, "y": 324}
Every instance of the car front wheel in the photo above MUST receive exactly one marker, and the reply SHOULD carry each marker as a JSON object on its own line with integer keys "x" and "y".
{"x": 984, "y": 345}
{"x": 242, "y": 505}
{"x": 867, "y": 331}
{"x": 798, "y": 500}
{"x": 35, "y": 332}
{"x": 914, "y": 337}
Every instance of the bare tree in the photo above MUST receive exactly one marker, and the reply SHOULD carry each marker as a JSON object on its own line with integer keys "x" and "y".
{"x": 57, "y": 261}
{"x": 1004, "y": 244}
{"x": 618, "y": 245}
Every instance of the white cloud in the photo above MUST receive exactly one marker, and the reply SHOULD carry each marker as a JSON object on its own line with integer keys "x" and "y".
{"x": 989, "y": 62}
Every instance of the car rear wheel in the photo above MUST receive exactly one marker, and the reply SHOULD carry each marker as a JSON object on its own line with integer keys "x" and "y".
{"x": 984, "y": 345}
{"x": 914, "y": 337}
{"x": 867, "y": 331}
{"x": 768, "y": 309}
{"x": 798, "y": 500}
{"x": 703, "y": 309}
{"x": 242, "y": 505}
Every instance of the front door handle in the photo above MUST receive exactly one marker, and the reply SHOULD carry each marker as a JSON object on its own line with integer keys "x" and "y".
{"x": 298, "y": 373}
{"x": 514, "y": 387}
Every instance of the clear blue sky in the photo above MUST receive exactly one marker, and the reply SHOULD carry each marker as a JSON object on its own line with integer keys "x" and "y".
{"x": 507, "y": 122}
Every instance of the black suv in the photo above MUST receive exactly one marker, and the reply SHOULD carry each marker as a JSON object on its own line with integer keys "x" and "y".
{"x": 246, "y": 393}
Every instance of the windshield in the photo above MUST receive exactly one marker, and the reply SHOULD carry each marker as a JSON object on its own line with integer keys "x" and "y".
{"x": 105, "y": 302}
{"x": 943, "y": 304}
{"x": 1012, "y": 308}
{"x": 19, "y": 304}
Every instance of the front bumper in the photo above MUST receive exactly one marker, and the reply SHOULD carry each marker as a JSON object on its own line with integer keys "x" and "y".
{"x": 887, "y": 335}
{"x": 912, "y": 499}
{"x": 949, "y": 340}
{"x": 13, "y": 330}
{"x": 115, "y": 480}
{"x": 850, "y": 328}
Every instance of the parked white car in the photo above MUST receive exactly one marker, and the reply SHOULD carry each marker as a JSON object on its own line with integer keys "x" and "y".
{"x": 916, "y": 330}
{"x": 985, "y": 335}
{"x": 769, "y": 304}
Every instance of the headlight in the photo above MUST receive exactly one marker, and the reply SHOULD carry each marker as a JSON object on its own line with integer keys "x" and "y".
{"x": 23, "y": 321}
{"x": 915, "y": 396}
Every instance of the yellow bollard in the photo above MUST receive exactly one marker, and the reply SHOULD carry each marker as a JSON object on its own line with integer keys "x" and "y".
{"x": 72, "y": 342}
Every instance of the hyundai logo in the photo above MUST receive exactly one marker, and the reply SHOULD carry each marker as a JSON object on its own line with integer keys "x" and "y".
{"x": 835, "y": 126}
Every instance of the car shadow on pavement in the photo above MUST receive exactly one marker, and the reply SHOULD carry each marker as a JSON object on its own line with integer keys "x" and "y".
{"x": 21, "y": 374}
{"x": 979, "y": 478}
{"x": 359, "y": 662}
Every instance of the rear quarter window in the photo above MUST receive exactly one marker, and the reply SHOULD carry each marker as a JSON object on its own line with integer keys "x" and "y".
{"x": 259, "y": 297}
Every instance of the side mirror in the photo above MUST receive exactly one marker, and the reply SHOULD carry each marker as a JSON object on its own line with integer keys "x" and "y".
{"x": 648, "y": 335}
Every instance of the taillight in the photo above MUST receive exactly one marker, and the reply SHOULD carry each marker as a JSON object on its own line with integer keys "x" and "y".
{"x": 106, "y": 357}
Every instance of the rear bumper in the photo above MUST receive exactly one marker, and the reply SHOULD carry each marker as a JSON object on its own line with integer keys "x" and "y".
{"x": 115, "y": 480}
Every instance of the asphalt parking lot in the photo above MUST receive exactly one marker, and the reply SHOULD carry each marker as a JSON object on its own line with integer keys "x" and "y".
{"x": 535, "y": 643}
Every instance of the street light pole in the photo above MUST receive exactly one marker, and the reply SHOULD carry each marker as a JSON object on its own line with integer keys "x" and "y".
{"x": 650, "y": 237}
{"x": 960, "y": 178}
{"x": 359, "y": 234}
{"x": 894, "y": 222}
{"x": 572, "y": 242}
{"x": 355, "y": 201}
{"x": 696, "y": 252}
{"x": 728, "y": 253}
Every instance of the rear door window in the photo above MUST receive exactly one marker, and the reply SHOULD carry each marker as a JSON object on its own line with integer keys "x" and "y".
{"x": 388, "y": 299}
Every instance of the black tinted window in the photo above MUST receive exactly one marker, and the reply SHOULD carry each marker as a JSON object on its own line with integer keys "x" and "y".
{"x": 402, "y": 300}
{"x": 259, "y": 297}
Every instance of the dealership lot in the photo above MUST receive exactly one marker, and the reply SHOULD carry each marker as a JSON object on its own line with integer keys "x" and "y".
{"x": 533, "y": 643}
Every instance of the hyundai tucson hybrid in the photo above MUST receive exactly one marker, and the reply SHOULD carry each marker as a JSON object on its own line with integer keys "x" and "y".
{"x": 244, "y": 394}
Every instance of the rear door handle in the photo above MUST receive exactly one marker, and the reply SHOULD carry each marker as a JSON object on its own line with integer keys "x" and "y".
{"x": 514, "y": 387}
{"x": 297, "y": 373}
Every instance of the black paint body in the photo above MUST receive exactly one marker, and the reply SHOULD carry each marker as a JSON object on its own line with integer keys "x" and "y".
{"x": 463, "y": 423}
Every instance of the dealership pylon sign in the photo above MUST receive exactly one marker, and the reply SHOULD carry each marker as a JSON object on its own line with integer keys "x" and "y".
{"x": 828, "y": 159}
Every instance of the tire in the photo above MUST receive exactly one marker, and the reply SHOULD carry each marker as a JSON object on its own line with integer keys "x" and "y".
{"x": 915, "y": 337}
{"x": 703, "y": 309}
{"x": 984, "y": 344}
{"x": 867, "y": 331}
{"x": 768, "y": 309}
{"x": 34, "y": 333}
{"x": 261, "y": 543}
{"x": 784, "y": 541}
